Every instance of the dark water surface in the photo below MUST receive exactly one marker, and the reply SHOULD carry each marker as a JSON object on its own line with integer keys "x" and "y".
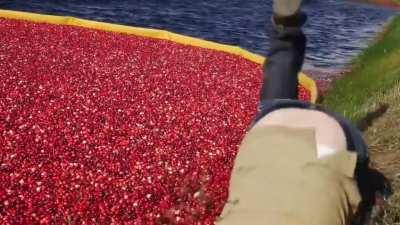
{"x": 337, "y": 29}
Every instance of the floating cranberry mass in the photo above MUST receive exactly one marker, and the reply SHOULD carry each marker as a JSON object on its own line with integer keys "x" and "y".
{"x": 107, "y": 128}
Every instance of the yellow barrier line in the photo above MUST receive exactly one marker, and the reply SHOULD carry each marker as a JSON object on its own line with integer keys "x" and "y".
{"x": 304, "y": 80}
{"x": 310, "y": 84}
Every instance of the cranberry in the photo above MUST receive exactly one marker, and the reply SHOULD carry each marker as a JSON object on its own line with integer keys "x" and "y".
{"x": 107, "y": 128}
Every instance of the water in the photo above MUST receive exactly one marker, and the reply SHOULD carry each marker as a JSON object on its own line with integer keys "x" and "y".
{"x": 337, "y": 29}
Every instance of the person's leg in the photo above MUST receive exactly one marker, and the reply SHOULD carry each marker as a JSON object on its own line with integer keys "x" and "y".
{"x": 286, "y": 54}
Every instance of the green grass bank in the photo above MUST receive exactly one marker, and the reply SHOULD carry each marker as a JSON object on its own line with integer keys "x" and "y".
{"x": 373, "y": 73}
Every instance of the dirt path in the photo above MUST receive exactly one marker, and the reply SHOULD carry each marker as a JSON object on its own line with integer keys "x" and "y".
{"x": 325, "y": 77}
{"x": 384, "y": 144}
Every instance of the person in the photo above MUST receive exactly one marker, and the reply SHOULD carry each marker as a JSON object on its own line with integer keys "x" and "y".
{"x": 299, "y": 164}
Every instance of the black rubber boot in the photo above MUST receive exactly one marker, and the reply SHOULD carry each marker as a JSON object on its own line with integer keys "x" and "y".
{"x": 286, "y": 8}
{"x": 287, "y": 13}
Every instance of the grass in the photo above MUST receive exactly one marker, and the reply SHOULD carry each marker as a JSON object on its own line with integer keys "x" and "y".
{"x": 373, "y": 73}
{"x": 383, "y": 139}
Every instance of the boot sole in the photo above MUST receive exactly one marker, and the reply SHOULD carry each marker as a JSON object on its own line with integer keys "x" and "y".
{"x": 286, "y": 8}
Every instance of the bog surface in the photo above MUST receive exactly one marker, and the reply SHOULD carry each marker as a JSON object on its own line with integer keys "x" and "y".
{"x": 99, "y": 127}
